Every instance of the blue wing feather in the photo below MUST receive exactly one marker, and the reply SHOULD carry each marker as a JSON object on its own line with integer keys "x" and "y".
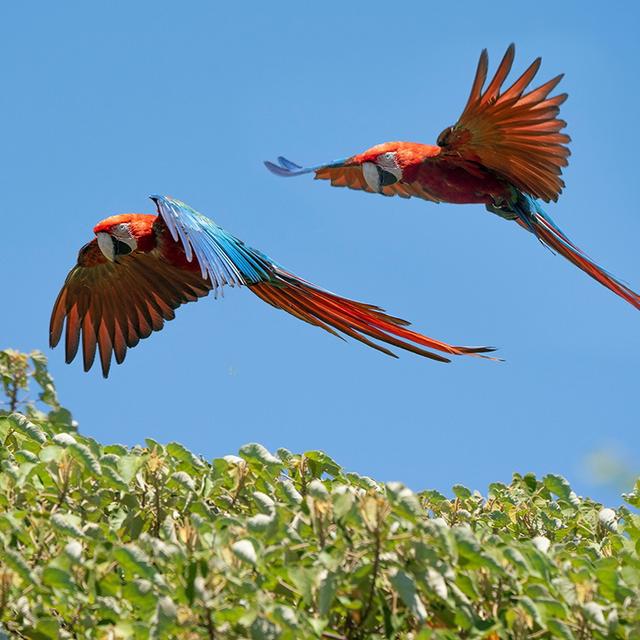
{"x": 287, "y": 164}
{"x": 222, "y": 258}
{"x": 287, "y": 169}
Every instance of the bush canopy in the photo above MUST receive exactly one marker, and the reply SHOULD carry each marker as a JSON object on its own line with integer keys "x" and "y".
{"x": 106, "y": 541}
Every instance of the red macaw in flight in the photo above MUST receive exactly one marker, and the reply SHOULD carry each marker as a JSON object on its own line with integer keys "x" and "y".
{"x": 506, "y": 152}
{"x": 141, "y": 267}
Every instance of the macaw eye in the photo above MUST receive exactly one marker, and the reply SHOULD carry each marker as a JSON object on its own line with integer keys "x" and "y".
{"x": 121, "y": 230}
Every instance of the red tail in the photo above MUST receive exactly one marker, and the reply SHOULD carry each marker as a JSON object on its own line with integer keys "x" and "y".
{"x": 555, "y": 239}
{"x": 356, "y": 319}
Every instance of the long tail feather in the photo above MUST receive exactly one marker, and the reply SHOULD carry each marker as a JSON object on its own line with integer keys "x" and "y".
{"x": 356, "y": 319}
{"x": 531, "y": 217}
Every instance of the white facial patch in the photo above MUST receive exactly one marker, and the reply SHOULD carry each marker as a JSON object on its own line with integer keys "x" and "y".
{"x": 371, "y": 175}
{"x": 121, "y": 232}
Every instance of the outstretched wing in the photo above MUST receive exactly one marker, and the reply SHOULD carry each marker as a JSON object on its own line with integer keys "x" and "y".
{"x": 112, "y": 305}
{"x": 341, "y": 174}
{"x": 281, "y": 289}
{"x": 221, "y": 257}
{"x": 514, "y": 133}
{"x": 287, "y": 169}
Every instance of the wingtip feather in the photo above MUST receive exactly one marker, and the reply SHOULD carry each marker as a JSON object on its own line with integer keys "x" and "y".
{"x": 278, "y": 170}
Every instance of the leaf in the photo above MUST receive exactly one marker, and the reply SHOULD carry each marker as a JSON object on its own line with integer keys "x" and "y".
{"x": 254, "y": 452}
{"x": 263, "y": 629}
{"x": 558, "y": 485}
{"x": 21, "y": 424}
{"x": 62, "y": 419}
{"x": 16, "y": 562}
{"x": 284, "y": 454}
{"x": 133, "y": 560}
{"x": 286, "y": 617}
{"x": 320, "y": 463}
{"x": 115, "y": 449}
{"x": 406, "y": 588}
{"x": 57, "y": 578}
{"x": 541, "y": 543}
{"x": 165, "y": 616}
{"x": 532, "y": 609}
{"x": 265, "y": 503}
{"x": 26, "y": 456}
{"x": 83, "y": 455}
{"x": 289, "y": 490}
{"x": 343, "y": 502}
{"x": 303, "y": 579}
{"x": 404, "y": 499}
{"x": 437, "y": 582}
{"x": 51, "y": 452}
{"x": 140, "y": 594}
{"x": 113, "y": 478}
{"x": 594, "y": 612}
{"x": 182, "y": 479}
{"x": 559, "y": 629}
{"x": 317, "y": 490}
{"x": 608, "y": 519}
{"x": 181, "y": 453}
{"x": 326, "y": 592}
{"x": 260, "y": 522}
{"x": 128, "y": 466}
{"x": 73, "y": 550}
{"x": 461, "y": 491}
{"x": 67, "y": 523}
{"x": 245, "y": 551}
{"x": 152, "y": 445}
{"x": 516, "y": 558}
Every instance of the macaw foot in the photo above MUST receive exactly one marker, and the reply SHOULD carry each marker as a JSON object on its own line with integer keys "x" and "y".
{"x": 503, "y": 210}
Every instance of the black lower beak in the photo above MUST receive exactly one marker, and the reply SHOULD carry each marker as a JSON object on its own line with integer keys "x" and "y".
{"x": 120, "y": 248}
{"x": 386, "y": 178}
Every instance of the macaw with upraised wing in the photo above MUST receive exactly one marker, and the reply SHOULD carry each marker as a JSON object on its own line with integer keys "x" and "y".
{"x": 506, "y": 151}
{"x": 141, "y": 267}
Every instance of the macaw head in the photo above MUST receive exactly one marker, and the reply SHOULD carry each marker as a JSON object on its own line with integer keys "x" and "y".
{"x": 380, "y": 165}
{"x": 385, "y": 164}
{"x": 120, "y": 235}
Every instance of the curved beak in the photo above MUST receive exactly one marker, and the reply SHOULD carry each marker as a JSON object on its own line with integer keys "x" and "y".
{"x": 112, "y": 247}
{"x": 106, "y": 246}
{"x": 377, "y": 177}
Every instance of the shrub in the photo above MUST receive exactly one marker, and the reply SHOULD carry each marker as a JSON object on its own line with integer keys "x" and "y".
{"x": 106, "y": 541}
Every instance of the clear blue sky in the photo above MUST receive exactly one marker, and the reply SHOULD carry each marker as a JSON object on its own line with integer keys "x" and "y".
{"x": 103, "y": 104}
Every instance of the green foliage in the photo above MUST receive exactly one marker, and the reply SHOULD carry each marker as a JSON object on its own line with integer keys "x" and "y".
{"x": 105, "y": 541}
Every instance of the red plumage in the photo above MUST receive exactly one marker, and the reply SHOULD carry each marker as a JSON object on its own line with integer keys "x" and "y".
{"x": 110, "y": 301}
{"x": 506, "y": 151}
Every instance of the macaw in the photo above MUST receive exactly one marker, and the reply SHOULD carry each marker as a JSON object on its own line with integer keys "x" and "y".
{"x": 139, "y": 268}
{"x": 505, "y": 151}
